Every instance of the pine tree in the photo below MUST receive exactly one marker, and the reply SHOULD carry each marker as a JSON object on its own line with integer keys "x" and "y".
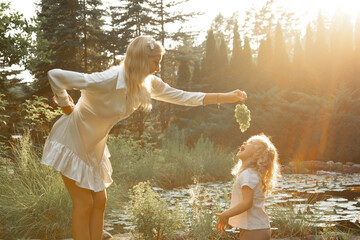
{"x": 210, "y": 59}
{"x": 164, "y": 14}
{"x": 265, "y": 55}
{"x": 223, "y": 54}
{"x": 73, "y": 33}
{"x": 247, "y": 58}
{"x": 196, "y": 76}
{"x": 321, "y": 52}
{"x": 298, "y": 59}
{"x": 184, "y": 74}
{"x": 341, "y": 50}
{"x": 136, "y": 18}
{"x": 94, "y": 56}
{"x": 235, "y": 61}
{"x": 114, "y": 41}
{"x": 281, "y": 58}
{"x": 309, "y": 44}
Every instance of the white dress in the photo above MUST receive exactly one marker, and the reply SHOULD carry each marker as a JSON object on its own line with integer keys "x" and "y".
{"x": 76, "y": 145}
{"x": 254, "y": 218}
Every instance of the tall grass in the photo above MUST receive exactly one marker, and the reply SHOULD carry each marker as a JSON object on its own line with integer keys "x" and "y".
{"x": 172, "y": 164}
{"x": 292, "y": 222}
{"x": 33, "y": 200}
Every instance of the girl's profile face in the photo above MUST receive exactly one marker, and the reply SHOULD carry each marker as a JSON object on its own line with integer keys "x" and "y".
{"x": 248, "y": 149}
{"x": 154, "y": 63}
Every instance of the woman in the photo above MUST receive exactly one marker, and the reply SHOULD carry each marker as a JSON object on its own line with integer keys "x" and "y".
{"x": 76, "y": 145}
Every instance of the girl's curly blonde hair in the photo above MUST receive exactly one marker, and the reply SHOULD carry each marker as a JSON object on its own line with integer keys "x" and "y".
{"x": 265, "y": 162}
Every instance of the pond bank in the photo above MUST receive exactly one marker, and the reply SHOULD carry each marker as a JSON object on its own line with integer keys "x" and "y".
{"x": 312, "y": 166}
{"x": 127, "y": 236}
{"x": 325, "y": 200}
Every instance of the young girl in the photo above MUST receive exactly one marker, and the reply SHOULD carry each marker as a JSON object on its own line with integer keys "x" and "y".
{"x": 256, "y": 174}
{"x": 76, "y": 145}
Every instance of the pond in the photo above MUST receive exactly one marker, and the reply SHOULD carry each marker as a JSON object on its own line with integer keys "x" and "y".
{"x": 333, "y": 198}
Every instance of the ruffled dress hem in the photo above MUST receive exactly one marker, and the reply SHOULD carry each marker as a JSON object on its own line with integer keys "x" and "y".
{"x": 64, "y": 160}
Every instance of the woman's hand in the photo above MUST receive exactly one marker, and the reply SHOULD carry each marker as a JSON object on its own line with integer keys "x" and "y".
{"x": 67, "y": 109}
{"x": 229, "y": 97}
{"x": 235, "y": 96}
{"x": 223, "y": 221}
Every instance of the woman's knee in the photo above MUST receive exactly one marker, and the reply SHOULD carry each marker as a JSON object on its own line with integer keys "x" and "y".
{"x": 100, "y": 200}
{"x": 83, "y": 205}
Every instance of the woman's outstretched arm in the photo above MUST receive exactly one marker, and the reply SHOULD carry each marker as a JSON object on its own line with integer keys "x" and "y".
{"x": 163, "y": 92}
{"x": 230, "y": 97}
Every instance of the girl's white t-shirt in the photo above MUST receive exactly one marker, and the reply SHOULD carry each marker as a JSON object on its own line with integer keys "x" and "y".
{"x": 255, "y": 217}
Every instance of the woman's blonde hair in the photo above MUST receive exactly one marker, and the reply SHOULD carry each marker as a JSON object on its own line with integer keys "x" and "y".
{"x": 136, "y": 65}
{"x": 265, "y": 162}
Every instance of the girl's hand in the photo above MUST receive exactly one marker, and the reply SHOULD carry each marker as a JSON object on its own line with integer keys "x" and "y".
{"x": 235, "y": 96}
{"x": 67, "y": 109}
{"x": 223, "y": 221}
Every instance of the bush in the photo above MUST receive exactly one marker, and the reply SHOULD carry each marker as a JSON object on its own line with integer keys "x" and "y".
{"x": 174, "y": 164}
{"x": 151, "y": 216}
{"x": 132, "y": 160}
{"x": 33, "y": 199}
{"x": 183, "y": 163}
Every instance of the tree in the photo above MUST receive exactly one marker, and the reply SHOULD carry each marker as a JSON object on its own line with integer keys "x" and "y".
{"x": 115, "y": 43}
{"x": 15, "y": 44}
{"x": 210, "y": 58}
{"x": 235, "y": 60}
{"x": 298, "y": 59}
{"x": 73, "y": 33}
{"x": 196, "y": 75}
{"x": 221, "y": 73}
{"x": 281, "y": 58}
{"x": 136, "y": 18}
{"x": 309, "y": 44}
{"x": 184, "y": 73}
{"x": 321, "y": 52}
{"x": 94, "y": 55}
{"x": 265, "y": 55}
{"x": 164, "y": 15}
{"x": 247, "y": 65}
{"x": 341, "y": 50}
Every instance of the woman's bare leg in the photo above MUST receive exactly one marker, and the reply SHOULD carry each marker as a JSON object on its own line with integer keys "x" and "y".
{"x": 82, "y": 207}
{"x": 97, "y": 215}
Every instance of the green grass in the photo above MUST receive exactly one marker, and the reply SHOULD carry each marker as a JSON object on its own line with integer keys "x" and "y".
{"x": 172, "y": 164}
{"x": 33, "y": 200}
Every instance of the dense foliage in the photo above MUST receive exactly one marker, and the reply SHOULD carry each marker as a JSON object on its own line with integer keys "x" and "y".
{"x": 300, "y": 86}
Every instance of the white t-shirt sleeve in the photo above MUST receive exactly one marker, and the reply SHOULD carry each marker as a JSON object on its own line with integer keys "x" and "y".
{"x": 163, "y": 92}
{"x": 62, "y": 80}
{"x": 248, "y": 178}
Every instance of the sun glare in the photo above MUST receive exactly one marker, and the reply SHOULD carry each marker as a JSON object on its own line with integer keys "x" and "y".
{"x": 327, "y": 7}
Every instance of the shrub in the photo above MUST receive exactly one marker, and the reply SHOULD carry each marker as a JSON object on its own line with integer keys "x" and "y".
{"x": 183, "y": 163}
{"x": 39, "y": 114}
{"x": 33, "y": 199}
{"x": 202, "y": 224}
{"x": 132, "y": 160}
{"x": 151, "y": 216}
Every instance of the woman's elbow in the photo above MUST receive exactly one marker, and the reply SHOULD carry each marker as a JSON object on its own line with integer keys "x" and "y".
{"x": 53, "y": 72}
